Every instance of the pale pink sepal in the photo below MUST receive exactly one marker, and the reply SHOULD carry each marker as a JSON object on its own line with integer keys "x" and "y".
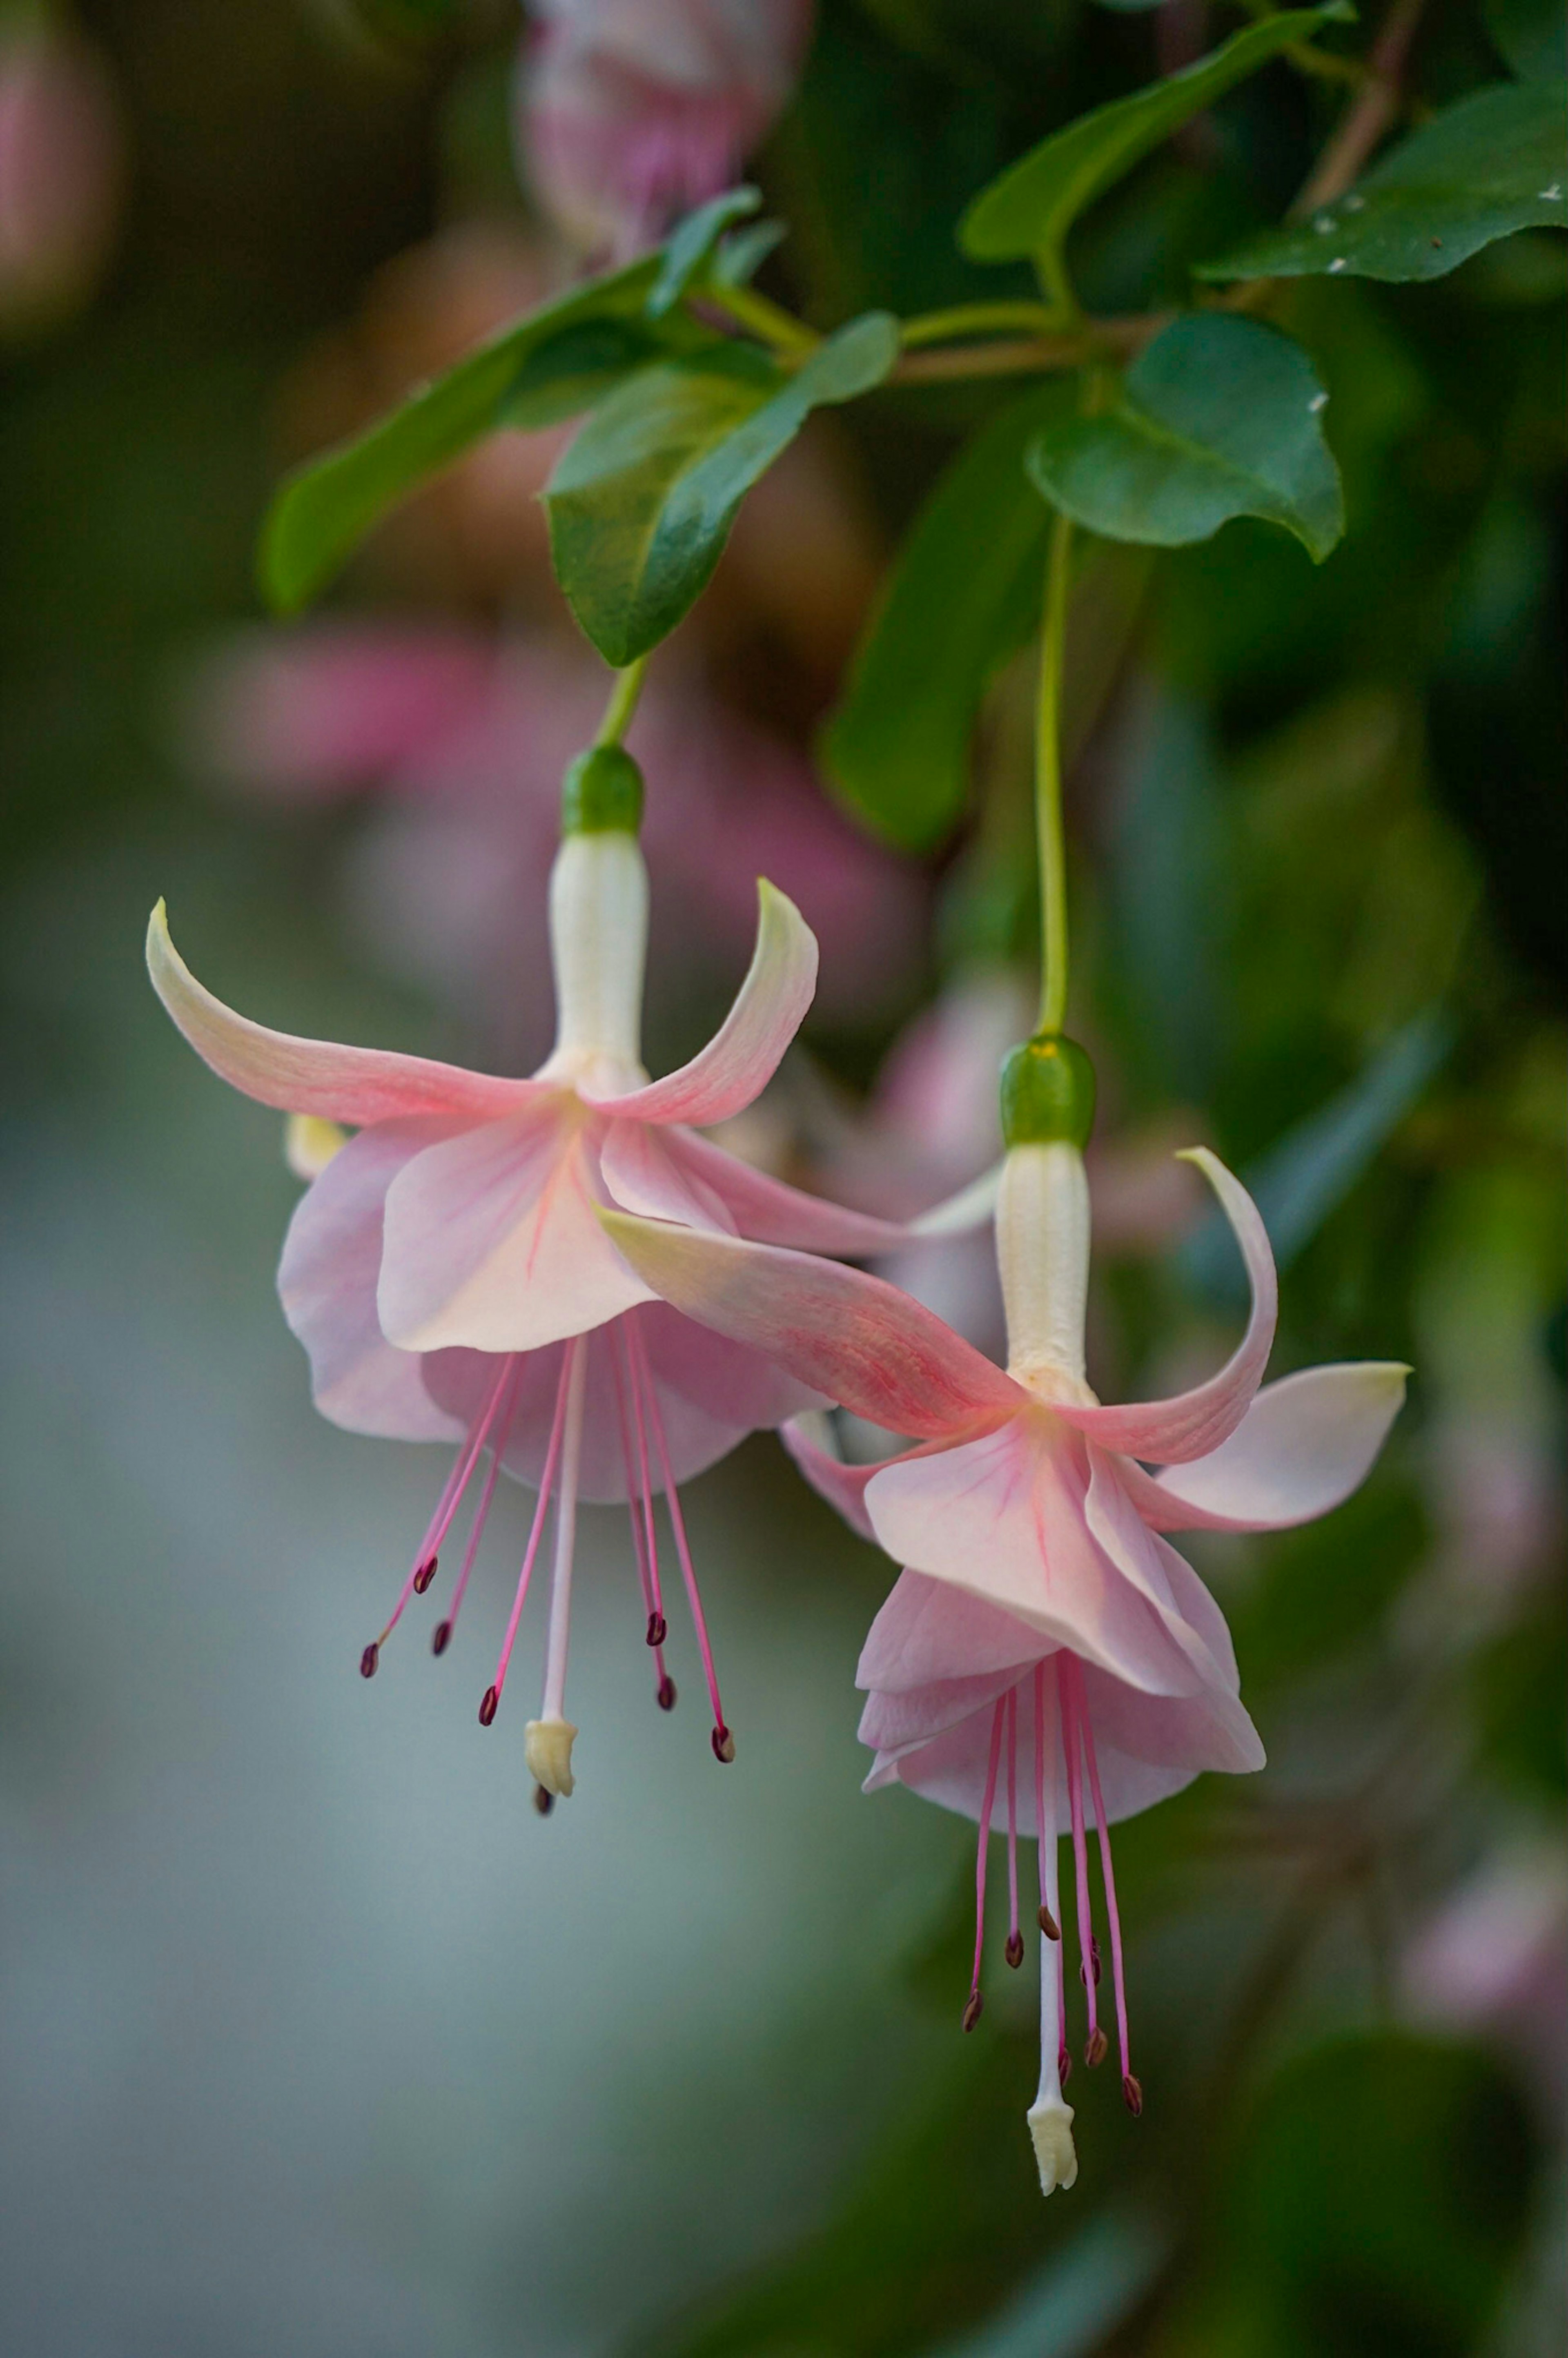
{"x": 849, "y": 1335}
{"x": 1304, "y": 1445}
{"x": 353, "y": 1084}
{"x": 326, "y": 1278}
{"x": 773, "y": 1213}
{"x": 492, "y": 1241}
{"x": 744, "y": 1052}
{"x": 1194, "y": 1423}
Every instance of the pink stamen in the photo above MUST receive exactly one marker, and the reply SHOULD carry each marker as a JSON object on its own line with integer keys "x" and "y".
{"x": 976, "y": 2003}
{"x": 1070, "y": 1745}
{"x": 441, "y": 1637}
{"x": 637, "y": 1502}
{"x": 493, "y": 1692}
{"x": 1108, "y": 1876}
{"x": 723, "y": 1741}
{"x": 1051, "y": 2031}
{"x": 1014, "y": 1951}
{"x": 422, "y": 1570}
{"x": 645, "y": 1485}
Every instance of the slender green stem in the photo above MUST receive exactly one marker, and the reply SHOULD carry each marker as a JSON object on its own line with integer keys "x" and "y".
{"x": 976, "y": 320}
{"x": 1048, "y": 784}
{"x": 769, "y": 321}
{"x": 623, "y": 703}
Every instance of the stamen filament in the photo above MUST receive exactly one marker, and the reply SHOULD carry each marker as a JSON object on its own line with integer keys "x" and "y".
{"x": 635, "y": 1502}
{"x": 422, "y": 1570}
{"x": 493, "y": 1692}
{"x": 1107, "y": 1875}
{"x": 645, "y": 1483}
{"x": 1014, "y": 1952}
{"x": 724, "y": 1741}
{"x": 972, "y": 2009}
{"x": 441, "y": 1637}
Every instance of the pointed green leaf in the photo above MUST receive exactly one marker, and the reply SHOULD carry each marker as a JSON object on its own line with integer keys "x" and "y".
{"x": 1479, "y": 171}
{"x": 325, "y": 508}
{"x": 1219, "y": 418}
{"x": 1029, "y": 211}
{"x": 964, "y": 594}
{"x": 692, "y": 241}
{"x": 577, "y": 367}
{"x": 641, "y": 504}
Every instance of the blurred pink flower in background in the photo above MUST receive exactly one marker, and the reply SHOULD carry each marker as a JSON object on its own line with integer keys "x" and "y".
{"x": 631, "y": 112}
{"x": 1494, "y": 1959}
{"x": 62, "y": 169}
{"x": 465, "y": 740}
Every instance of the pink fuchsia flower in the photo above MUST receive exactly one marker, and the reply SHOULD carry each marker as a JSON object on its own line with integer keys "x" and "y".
{"x": 634, "y": 111}
{"x": 1494, "y": 1959}
{"x": 61, "y": 170}
{"x": 1044, "y": 1642}
{"x": 449, "y": 1278}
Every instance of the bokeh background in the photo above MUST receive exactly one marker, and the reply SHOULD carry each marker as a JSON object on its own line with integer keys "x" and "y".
{"x": 313, "y": 2038}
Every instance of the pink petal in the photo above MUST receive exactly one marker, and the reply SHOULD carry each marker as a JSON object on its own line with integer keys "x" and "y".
{"x": 327, "y": 1280}
{"x": 353, "y": 1084}
{"x": 492, "y": 1241}
{"x": 1002, "y": 1518}
{"x": 846, "y": 1335}
{"x": 1140, "y": 1738}
{"x": 929, "y": 1631}
{"x": 744, "y": 1054}
{"x": 1194, "y": 1423}
{"x": 1152, "y": 1566}
{"x": 1302, "y": 1448}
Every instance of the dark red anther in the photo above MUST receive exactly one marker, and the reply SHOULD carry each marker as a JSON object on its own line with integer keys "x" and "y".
{"x": 1097, "y": 2047}
{"x": 974, "y": 2008}
{"x": 370, "y": 1661}
{"x": 1133, "y": 2096}
{"x": 425, "y": 1575}
{"x": 1013, "y": 1951}
{"x": 1064, "y": 2065}
{"x": 440, "y": 1637}
{"x": 723, "y": 1745}
{"x": 487, "y": 1708}
{"x": 658, "y": 1630}
{"x": 665, "y": 1693}
{"x": 544, "y": 1799}
{"x": 1048, "y": 1923}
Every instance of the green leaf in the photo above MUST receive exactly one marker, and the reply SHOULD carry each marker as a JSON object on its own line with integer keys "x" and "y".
{"x": 641, "y": 504}
{"x": 1530, "y": 37}
{"x": 577, "y": 368}
{"x": 691, "y": 243}
{"x": 326, "y": 507}
{"x": 740, "y": 256}
{"x": 1478, "y": 172}
{"x": 1029, "y": 211}
{"x": 1219, "y": 418}
{"x": 964, "y": 594}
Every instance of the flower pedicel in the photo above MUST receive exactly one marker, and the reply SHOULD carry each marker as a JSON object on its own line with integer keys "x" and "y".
{"x": 1044, "y": 1644}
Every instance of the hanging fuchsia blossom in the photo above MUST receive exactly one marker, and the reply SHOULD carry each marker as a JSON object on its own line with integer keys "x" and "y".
{"x": 1044, "y": 1643}
{"x": 634, "y": 111}
{"x": 448, "y": 1274}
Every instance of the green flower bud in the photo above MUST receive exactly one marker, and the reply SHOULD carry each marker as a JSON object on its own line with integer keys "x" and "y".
{"x": 1047, "y": 1093}
{"x": 601, "y": 792}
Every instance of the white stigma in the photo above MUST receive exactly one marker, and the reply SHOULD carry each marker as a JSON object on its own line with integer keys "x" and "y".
{"x": 1043, "y": 1252}
{"x": 1051, "y": 2126}
{"x": 548, "y": 1749}
{"x": 598, "y": 939}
